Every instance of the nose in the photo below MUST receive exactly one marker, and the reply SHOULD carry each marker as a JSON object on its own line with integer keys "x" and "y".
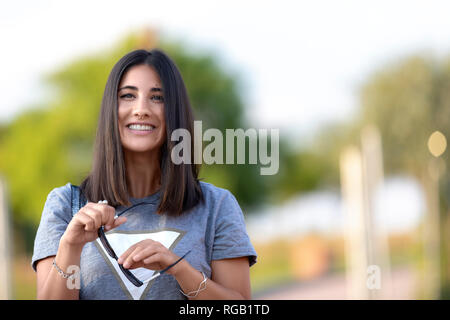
{"x": 142, "y": 108}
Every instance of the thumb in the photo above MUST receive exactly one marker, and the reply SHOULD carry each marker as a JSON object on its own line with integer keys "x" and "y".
{"x": 117, "y": 222}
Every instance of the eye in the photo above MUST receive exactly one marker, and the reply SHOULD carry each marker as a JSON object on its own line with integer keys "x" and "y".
{"x": 126, "y": 95}
{"x": 158, "y": 98}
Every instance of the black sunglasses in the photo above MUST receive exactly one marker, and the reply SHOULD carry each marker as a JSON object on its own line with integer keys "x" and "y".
{"x": 130, "y": 276}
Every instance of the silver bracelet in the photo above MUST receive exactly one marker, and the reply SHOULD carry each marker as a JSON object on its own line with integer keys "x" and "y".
{"x": 201, "y": 287}
{"x": 62, "y": 273}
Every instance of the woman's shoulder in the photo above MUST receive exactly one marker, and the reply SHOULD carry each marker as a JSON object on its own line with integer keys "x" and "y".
{"x": 58, "y": 205}
{"x": 212, "y": 193}
{"x": 210, "y": 189}
{"x": 61, "y": 193}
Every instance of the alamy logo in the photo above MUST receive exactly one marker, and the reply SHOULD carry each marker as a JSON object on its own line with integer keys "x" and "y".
{"x": 73, "y": 282}
{"x": 213, "y": 152}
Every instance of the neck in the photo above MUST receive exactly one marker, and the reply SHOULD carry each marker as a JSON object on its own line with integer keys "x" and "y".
{"x": 143, "y": 173}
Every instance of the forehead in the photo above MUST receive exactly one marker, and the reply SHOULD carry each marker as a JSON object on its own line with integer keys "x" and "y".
{"x": 141, "y": 76}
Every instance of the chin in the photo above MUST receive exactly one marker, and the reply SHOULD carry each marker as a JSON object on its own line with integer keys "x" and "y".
{"x": 141, "y": 148}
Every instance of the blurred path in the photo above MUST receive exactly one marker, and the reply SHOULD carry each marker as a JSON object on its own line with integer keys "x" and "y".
{"x": 333, "y": 287}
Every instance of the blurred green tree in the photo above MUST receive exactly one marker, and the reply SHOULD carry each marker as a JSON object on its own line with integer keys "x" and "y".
{"x": 407, "y": 100}
{"x": 51, "y": 144}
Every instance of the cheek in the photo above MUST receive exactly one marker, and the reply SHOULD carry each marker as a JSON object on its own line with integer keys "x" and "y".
{"x": 120, "y": 120}
{"x": 163, "y": 131}
{"x": 120, "y": 115}
{"x": 162, "y": 118}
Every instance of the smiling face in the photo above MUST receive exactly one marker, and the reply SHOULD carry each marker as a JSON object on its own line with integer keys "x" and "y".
{"x": 140, "y": 99}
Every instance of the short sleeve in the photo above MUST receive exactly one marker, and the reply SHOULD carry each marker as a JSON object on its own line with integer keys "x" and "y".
{"x": 55, "y": 217}
{"x": 231, "y": 239}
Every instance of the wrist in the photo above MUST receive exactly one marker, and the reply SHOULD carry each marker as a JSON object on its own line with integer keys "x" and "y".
{"x": 65, "y": 244}
{"x": 179, "y": 268}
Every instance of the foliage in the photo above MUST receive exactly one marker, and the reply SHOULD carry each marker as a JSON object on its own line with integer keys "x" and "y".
{"x": 51, "y": 143}
{"x": 407, "y": 100}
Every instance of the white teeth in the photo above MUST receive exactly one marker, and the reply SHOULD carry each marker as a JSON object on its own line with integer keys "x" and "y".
{"x": 141, "y": 127}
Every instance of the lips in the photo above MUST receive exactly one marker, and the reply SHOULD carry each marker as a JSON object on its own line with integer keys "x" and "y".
{"x": 141, "y": 123}
{"x": 141, "y": 127}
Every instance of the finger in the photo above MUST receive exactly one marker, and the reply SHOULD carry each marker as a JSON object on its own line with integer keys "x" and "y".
{"x": 117, "y": 222}
{"x": 154, "y": 258}
{"x": 83, "y": 219}
{"x": 94, "y": 214}
{"x": 93, "y": 211}
{"x": 110, "y": 217}
{"x": 144, "y": 253}
{"x": 107, "y": 213}
{"x": 136, "y": 265}
{"x": 129, "y": 260}
{"x": 125, "y": 255}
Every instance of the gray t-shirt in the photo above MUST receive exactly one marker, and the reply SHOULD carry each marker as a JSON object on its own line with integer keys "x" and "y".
{"x": 212, "y": 230}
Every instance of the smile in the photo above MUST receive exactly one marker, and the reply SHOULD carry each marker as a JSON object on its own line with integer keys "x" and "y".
{"x": 140, "y": 129}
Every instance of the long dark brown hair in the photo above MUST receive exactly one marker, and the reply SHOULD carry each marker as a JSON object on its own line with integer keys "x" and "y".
{"x": 180, "y": 188}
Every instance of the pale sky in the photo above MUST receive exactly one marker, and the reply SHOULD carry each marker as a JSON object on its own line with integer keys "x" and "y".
{"x": 303, "y": 61}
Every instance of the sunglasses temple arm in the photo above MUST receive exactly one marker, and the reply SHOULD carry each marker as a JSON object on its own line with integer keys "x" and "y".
{"x": 184, "y": 255}
{"x": 159, "y": 273}
{"x": 156, "y": 275}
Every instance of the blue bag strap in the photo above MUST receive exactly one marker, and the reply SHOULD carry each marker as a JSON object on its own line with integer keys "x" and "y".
{"x": 78, "y": 199}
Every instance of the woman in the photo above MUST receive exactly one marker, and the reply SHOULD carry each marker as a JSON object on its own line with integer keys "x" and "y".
{"x": 153, "y": 211}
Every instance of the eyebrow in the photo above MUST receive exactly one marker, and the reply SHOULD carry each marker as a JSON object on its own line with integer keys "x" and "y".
{"x": 154, "y": 89}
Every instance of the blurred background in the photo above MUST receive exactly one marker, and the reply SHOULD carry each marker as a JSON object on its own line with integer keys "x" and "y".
{"x": 360, "y": 93}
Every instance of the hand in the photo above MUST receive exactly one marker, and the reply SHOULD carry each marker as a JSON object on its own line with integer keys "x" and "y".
{"x": 85, "y": 223}
{"x": 149, "y": 254}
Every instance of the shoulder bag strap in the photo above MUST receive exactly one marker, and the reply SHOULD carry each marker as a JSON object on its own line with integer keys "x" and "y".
{"x": 78, "y": 199}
